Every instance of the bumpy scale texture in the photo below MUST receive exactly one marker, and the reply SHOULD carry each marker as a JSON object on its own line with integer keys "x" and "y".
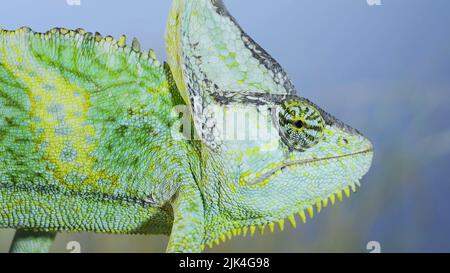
{"x": 84, "y": 134}
{"x": 92, "y": 139}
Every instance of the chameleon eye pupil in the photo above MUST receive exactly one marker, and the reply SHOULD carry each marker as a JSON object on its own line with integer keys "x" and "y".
{"x": 299, "y": 124}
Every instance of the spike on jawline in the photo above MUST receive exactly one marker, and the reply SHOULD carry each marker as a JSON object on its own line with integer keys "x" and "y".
{"x": 234, "y": 232}
{"x": 252, "y": 231}
{"x": 281, "y": 224}
{"x": 302, "y": 216}
{"x": 319, "y": 206}
{"x": 347, "y": 192}
{"x": 262, "y": 229}
{"x": 310, "y": 212}
{"x": 244, "y": 231}
{"x": 271, "y": 227}
{"x": 239, "y": 231}
{"x": 339, "y": 195}
{"x": 291, "y": 219}
{"x": 333, "y": 199}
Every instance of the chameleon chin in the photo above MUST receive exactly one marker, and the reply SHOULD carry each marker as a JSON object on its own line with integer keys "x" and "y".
{"x": 86, "y": 136}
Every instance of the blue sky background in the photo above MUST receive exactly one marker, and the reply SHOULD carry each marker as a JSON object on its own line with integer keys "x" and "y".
{"x": 382, "y": 69}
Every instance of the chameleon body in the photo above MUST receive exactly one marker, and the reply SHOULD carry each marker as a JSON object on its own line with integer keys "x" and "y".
{"x": 92, "y": 137}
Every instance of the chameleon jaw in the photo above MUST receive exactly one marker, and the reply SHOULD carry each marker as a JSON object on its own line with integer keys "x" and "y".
{"x": 293, "y": 163}
{"x": 303, "y": 213}
{"x": 303, "y": 209}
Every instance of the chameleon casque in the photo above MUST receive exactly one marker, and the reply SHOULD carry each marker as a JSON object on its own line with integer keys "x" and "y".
{"x": 92, "y": 137}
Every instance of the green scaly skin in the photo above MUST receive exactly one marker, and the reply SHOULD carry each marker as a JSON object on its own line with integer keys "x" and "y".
{"x": 91, "y": 137}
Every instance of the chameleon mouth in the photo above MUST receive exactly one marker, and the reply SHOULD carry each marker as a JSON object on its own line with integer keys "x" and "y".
{"x": 294, "y": 163}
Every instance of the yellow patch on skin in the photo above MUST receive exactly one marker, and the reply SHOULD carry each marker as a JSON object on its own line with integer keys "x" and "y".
{"x": 46, "y": 89}
{"x": 247, "y": 177}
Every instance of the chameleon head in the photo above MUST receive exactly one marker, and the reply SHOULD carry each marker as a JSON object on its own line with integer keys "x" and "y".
{"x": 272, "y": 153}
{"x": 291, "y": 156}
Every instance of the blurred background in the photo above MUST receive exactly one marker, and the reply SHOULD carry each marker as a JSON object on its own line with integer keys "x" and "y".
{"x": 384, "y": 69}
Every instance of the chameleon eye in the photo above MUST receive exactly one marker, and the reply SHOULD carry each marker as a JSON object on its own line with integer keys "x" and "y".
{"x": 301, "y": 124}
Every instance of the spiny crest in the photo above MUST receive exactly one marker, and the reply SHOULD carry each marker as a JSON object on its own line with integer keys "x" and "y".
{"x": 302, "y": 215}
{"x": 80, "y": 34}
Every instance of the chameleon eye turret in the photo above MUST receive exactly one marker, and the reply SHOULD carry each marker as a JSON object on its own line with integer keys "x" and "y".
{"x": 301, "y": 125}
